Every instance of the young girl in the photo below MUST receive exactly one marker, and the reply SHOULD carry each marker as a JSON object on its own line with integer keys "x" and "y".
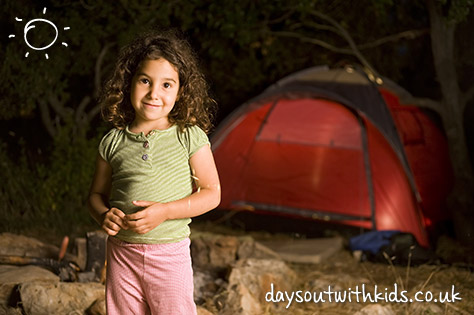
{"x": 154, "y": 171}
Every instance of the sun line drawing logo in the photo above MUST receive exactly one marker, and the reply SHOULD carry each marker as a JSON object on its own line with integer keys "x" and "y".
{"x": 29, "y": 25}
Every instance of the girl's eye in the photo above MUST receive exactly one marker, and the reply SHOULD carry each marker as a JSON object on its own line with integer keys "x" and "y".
{"x": 166, "y": 85}
{"x": 145, "y": 81}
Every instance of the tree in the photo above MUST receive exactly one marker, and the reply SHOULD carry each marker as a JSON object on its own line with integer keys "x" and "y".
{"x": 47, "y": 181}
{"x": 64, "y": 88}
{"x": 244, "y": 46}
{"x": 444, "y": 18}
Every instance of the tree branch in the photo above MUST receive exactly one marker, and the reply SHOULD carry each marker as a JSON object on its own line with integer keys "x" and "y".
{"x": 64, "y": 112}
{"x": 98, "y": 69}
{"x": 426, "y": 103}
{"x": 46, "y": 119}
{"x": 93, "y": 112}
{"x": 467, "y": 96}
{"x": 80, "y": 115}
{"x": 87, "y": 6}
{"x": 406, "y": 98}
{"x": 411, "y": 34}
{"x": 338, "y": 29}
{"x": 314, "y": 41}
{"x": 348, "y": 38}
{"x": 282, "y": 18}
{"x": 323, "y": 27}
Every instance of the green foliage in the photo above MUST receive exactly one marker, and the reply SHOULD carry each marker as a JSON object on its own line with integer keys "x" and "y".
{"x": 240, "y": 53}
{"x": 68, "y": 172}
{"x": 48, "y": 195}
{"x": 26, "y": 80}
{"x": 15, "y": 189}
{"x": 235, "y": 40}
{"x": 456, "y": 11}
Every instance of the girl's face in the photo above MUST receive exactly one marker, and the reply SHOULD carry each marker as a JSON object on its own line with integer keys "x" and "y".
{"x": 154, "y": 91}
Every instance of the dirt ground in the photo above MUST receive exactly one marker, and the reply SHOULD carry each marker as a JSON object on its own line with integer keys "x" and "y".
{"x": 451, "y": 280}
{"x": 345, "y": 273}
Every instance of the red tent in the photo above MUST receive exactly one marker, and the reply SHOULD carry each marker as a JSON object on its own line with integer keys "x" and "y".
{"x": 322, "y": 144}
{"x": 427, "y": 152}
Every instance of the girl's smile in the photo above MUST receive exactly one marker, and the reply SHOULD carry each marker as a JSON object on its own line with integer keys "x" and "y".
{"x": 154, "y": 92}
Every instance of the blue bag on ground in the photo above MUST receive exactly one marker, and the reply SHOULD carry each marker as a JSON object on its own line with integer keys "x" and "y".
{"x": 398, "y": 247}
{"x": 371, "y": 241}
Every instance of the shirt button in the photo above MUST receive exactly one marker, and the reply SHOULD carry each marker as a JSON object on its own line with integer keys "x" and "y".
{"x": 146, "y": 144}
{"x": 145, "y": 157}
{"x": 151, "y": 133}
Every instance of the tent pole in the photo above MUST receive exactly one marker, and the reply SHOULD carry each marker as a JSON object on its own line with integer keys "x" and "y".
{"x": 368, "y": 171}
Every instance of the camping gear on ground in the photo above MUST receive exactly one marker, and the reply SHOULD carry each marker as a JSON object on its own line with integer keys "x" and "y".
{"x": 392, "y": 247}
{"x": 322, "y": 144}
{"x": 371, "y": 241}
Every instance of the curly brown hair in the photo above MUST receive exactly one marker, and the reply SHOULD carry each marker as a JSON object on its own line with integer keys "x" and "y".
{"x": 194, "y": 105}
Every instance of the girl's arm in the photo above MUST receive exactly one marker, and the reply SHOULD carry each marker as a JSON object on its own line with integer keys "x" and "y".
{"x": 207, "y": 197}
{"x": 110, "y": 219}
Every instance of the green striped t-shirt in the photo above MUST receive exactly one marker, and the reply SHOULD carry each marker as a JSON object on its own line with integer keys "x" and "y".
{"x": 153, "y": 167}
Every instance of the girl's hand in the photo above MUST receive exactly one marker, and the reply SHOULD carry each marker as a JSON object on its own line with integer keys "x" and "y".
{"x": 113, "y": 221}
{"x": 145, "y": 220}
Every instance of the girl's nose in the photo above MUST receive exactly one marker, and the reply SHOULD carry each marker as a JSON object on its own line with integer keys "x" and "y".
{"x": 154, "y": 93}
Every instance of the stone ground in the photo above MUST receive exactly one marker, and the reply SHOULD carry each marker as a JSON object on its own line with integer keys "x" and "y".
{"x": 236, "y": 270}
{"x": 342, "y": 272}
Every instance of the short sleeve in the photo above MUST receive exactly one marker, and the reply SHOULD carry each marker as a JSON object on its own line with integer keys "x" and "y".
{"x": 106, "y": 145}
{"x": 196, "y": 139}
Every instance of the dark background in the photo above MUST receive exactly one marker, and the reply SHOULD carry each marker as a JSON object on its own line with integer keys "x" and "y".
{"x": 49, "y": 118}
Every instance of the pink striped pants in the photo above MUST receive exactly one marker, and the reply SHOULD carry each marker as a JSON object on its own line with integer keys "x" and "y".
{"x": 149, "y": 278}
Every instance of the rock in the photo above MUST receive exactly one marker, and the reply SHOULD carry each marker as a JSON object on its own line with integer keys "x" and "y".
{"x": 308, "y": 251}
{"x": 206, "y": 284}
{"x": 320, "y": 282}
{"x": 98, "y": 307}
{"x": 249, "y": 248}
{"x": 80, "y": 245}
{"x": 88, "y": 276}
{"x": 425, "y": 308}
{"x": 50, "y": 297}
{"x": 96, "y": 253}
{"x": 251, "y": 280}
{"x": 11, "y": 276}
{"x": 16, "y": 275}
{"x": 241, "y": 301}
{"x": 19, "y": 245}
{"x": 376, "y": 309}
{"x": 10, "y": 311}
{"x": 221, "y": 251}
{"x": 23, "y": 246}
{"x": 202, "y": 311}
{"x": 217, "y": 251}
